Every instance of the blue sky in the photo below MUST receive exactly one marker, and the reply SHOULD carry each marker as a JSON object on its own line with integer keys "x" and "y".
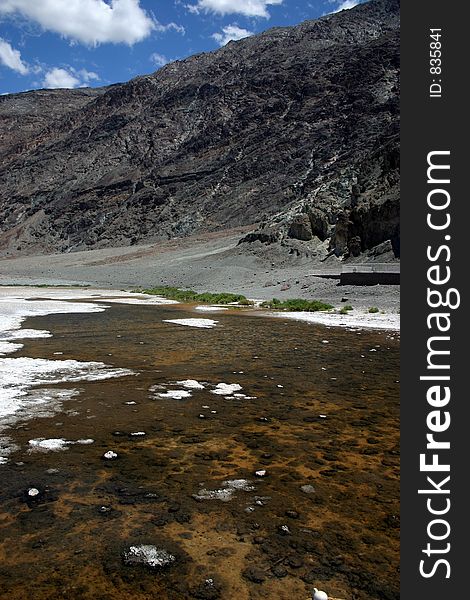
{"x": 76, "y": 43}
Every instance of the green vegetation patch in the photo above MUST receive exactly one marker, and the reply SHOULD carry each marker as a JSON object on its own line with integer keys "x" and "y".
{"x": 172, "y": 293}
{"x": 297, "y": 304}
{"x": 373, "y": 310}
{"x": 345, "y": 309}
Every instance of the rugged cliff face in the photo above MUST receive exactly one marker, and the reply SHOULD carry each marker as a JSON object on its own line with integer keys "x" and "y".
{"x": 295, "y": 131}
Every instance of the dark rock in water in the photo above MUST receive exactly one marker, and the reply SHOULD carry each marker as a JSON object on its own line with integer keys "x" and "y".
{"x": 292, "y": 514}
{"x": 110, "y": 455}
{"x": 104, "y": 510}
{"x": 254, "y": 574}
{"x": 300, "y": 228}
{"x": 289, "y": 122}
{"x": 309, "y": 577}
{"x": 279, "y": 571}
{"x": 183, "y": 517}
{"x": 284, "y": 530}
{"x": 295, "y": 562}
{"x": 33, "y": 496}
{"x": 149, "y": 556}
{"x": 207, "y": 590}
{"x": 161, "y": 520}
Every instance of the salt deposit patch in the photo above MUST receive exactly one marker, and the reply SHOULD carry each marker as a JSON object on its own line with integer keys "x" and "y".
{"x": 201, "y": 323}
{"x": 151, "y": 556}
{"x": 210, "y": 308}
{"x": 20, "y": 393}
{"x": 83, "y": 294}
{"x": 191, "y": 384}
{"x": 19, "y": 377}
{"x": 18, "y": 303}
{"x": 225, "y": 493}
{"x": 55, "y": 444}
{"x": 354, "y": 319}
{"x": 8, "y": 348}
{"x": 175, "y": 394}
{"x": 21, "y": 334}
{"x": 14, "y": 310}
{"x": 226, "y": 389}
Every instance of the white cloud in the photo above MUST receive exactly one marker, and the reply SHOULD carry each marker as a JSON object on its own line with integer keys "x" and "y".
{"x": 231, "y": 33}
{"x": 68, "y": 78}
{"x": 170, "y": 27}
{"x": 248, "y": 8}
{"x": 88, "y": 21}
{"x": 346, "y": 5}
{"x": 159, "y": 60}
{"x": 88, "y": 75}
{"x": 60, "y": 78}
{"x": 11, "y": 58}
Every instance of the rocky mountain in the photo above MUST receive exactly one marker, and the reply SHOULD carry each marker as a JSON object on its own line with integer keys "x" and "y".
{"x": 295, "y": 131}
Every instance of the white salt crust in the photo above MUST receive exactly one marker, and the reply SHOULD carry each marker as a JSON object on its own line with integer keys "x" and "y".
{"x": 199, "y": 323}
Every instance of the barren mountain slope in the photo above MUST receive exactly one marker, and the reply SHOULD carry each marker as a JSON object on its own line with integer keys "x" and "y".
{"x": 296, "y": 129}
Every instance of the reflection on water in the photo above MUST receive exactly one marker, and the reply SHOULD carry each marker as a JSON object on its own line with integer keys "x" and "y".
{"x": 285, "y": 478}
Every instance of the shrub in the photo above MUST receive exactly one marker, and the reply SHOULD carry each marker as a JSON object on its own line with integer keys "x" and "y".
{"x": 173, "y": 293}
{"x": 296, "y": 304}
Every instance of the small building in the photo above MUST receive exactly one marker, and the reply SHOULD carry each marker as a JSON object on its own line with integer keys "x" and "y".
{"x": 370, "y": 274}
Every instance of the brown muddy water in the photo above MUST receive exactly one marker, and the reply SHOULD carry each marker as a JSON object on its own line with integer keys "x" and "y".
{"x": 326, "y": 513}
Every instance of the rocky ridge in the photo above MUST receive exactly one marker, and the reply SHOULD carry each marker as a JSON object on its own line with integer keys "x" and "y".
{"x": 295, "y": 131}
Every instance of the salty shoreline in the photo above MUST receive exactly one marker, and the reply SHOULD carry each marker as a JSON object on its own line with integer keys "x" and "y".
{"x": 206, "y": 263}
{"x": 356, "y": 318}
{"x": 353, "y": 320}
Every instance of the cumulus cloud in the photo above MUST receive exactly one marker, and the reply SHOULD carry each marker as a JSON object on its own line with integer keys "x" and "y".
{"x": 68, "y": 78}
{"x": 11, "y": 58}
{"x": 91, "y": 22}
{"x": 346, "y": 5}
{"x": 159, "y": 60}
{"x": 88, "y": 76}
{"x": 60, "y": 78}
{"x": 248, "y": 8}
{"x": 231, "y": 33}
